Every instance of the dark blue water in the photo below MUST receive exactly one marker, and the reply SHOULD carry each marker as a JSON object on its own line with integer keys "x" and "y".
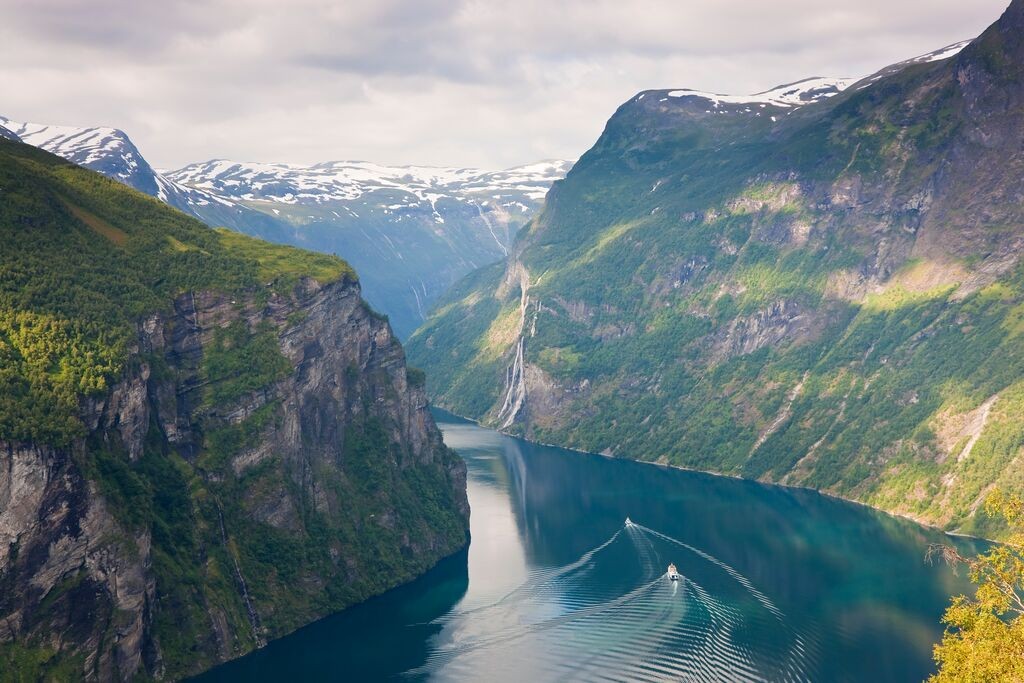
{"x": 776, "y": 584}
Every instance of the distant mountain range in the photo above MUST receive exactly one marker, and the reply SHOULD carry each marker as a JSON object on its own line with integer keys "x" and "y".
{"x": 410, "y": 231}
{"x": 111, "y": 152}
{"x": 517, "y": 190}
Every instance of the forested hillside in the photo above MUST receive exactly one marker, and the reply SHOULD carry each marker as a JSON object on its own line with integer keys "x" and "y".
{"x": 206, "y": 441}
{"x": 824, "y": 293}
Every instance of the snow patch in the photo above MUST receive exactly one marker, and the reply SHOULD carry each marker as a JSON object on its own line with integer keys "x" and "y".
{"x": 790, "y": 95}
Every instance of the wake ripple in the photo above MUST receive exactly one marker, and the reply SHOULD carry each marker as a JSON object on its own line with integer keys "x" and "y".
{"x": 613, "y": 615}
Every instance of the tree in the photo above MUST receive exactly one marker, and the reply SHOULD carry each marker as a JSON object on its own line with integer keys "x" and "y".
{"x": 984, "y": 638}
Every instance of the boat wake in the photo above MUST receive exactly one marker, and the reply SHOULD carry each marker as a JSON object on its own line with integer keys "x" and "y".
{"x": 613, "y": 614}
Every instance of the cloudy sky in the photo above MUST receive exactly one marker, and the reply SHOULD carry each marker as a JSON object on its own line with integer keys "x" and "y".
{"x": 448, "y": 82}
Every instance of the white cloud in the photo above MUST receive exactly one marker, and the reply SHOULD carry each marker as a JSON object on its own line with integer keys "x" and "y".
{"x": 470, "y": 82}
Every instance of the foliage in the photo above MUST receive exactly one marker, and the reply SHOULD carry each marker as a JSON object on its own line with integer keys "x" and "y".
{"x": 284, "y": 265}
{"x": 239, "y": 361}
{"x": 36, "y": 664}
{"x": 415, "y": 377}
{"x": 984, "y": 639}
{"x": 83, "y": 258}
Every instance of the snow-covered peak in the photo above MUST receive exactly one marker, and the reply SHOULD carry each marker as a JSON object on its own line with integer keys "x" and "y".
{"x": 788, "y": 96}
{"x": 776, "y": 101}
{"x": 933, "y": 56}
{"x": 111, "y": 152}
{"x": 941, "y": 53}
{"x": 809, "y": 90}
{"x": 90, "y": 147}
{"x": 213, "y": 191}
{"x": 344, "y": 181}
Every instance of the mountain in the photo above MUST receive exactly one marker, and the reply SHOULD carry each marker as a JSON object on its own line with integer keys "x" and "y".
{"x": 410, "y": 231}
{"x": 823, "y": 291}
{"x": 206, "y": 440}
{"x": 111, "y": 152}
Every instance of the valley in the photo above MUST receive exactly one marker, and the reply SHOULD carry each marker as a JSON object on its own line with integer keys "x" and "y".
{"x": 735, "y": 395}
{"x": 555, "y": 585}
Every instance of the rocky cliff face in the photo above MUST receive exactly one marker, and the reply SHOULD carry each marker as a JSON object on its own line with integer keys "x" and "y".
{"x": 71, "y": 571}
{"x": 205, "y": 513}
{"x": 807, "y": 292}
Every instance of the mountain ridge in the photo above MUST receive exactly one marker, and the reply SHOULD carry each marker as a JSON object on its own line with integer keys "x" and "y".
{"x": 410, "y": 230}
{"x": 775, "y": 299}
{"x": 111, "y": 152}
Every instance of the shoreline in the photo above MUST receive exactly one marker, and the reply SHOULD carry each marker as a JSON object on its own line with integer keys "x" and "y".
{"x": 682, "y": 468}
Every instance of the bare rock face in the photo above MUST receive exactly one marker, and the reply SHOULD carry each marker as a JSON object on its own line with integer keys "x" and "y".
{"x": 326, "y": 458}
{"x": 782, "y": 322}
{"x": 70, "y": 570}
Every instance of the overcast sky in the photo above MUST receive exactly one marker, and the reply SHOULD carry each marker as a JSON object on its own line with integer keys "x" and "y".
{"x": 461, "y": 82}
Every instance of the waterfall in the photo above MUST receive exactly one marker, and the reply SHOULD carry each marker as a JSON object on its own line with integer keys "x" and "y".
{"x": 516, "y": 394}
{"x": 515, "y": 375}
{"x": 490, "y": 228}
{"x": 254, "y": 617}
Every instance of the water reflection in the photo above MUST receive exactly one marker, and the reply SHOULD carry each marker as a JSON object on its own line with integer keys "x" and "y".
{"x": 777, "y": 584}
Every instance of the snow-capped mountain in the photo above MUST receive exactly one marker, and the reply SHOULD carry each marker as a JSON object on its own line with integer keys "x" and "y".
{"x": 409, "y": 231}
{"x": 790, "y": 95}
{"x": 516, "y": 189}
{"x": 785, "y": 99}
{"x": 111, "y": 152}
{"x": 933, "y": 56}
{"x": 106, "y": 150}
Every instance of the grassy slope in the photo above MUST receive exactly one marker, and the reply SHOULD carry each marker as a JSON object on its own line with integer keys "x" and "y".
{"x": 83, "y": 258}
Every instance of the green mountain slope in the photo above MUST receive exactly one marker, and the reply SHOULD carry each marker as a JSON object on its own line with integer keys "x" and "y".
{"x": 206, "y": 441}
{"x": 827, "y": 295}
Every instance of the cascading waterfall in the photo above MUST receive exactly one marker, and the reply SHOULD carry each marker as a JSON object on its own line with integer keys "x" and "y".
{"x": 419, "y": 304}
{"x": 490, "y": 228}
{"x": 243, "y": 588}
{"x": 516, "y": 394}
{"x": 515, "y": 375}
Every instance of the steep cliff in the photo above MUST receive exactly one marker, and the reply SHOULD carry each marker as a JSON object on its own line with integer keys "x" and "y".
{"x": 820, "y": 292}
{"x": 206, "y": 441}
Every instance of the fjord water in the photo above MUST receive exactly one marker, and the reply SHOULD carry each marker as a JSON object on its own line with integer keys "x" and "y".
{"x": 777, "y": 584}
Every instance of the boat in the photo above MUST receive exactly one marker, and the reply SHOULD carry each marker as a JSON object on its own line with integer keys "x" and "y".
{"x": 673, "y": 574}
{"x": 629, "y": 522}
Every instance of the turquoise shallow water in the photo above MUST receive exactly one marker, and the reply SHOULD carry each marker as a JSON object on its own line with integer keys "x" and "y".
{"x": 777, "y": 584}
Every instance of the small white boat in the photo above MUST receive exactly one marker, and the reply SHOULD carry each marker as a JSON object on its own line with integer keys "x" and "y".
{"x": 629, "y": 522}
{"x": 672, "y": 573}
